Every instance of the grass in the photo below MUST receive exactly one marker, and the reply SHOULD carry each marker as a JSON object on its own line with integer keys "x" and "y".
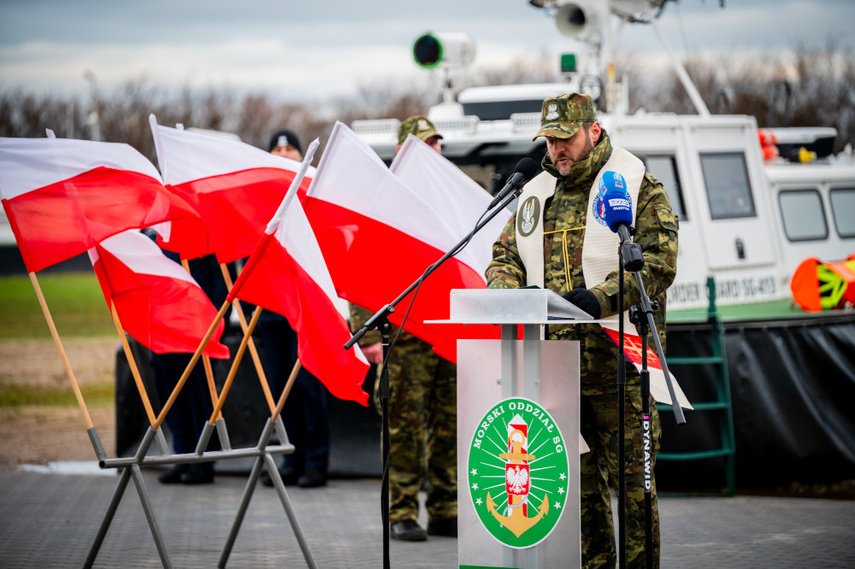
{"x": 15, "y": 396}
{"x": 75, "y": 302}
{"x": 78, "y": 309}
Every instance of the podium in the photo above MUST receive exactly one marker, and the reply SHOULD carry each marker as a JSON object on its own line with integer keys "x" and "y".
{"x": 517, "y": 432}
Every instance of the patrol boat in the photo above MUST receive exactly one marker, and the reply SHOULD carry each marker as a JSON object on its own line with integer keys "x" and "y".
{"x": 769, "y": 380}
{"x": 750, "y": 212}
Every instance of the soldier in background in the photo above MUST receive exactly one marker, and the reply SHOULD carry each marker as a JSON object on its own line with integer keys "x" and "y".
{"x": 578, "y": 148}
{"x": 422, "y": 413}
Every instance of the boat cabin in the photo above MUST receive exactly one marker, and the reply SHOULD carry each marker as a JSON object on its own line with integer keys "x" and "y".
{"x": 746, "y": 218}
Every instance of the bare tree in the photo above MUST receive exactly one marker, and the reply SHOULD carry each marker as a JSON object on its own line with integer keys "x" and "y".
{"x": 811, "y": 87}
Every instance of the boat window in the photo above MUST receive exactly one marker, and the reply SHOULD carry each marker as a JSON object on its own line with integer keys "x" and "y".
{"x": 728, "y": 188}
{"x": 843, "y": 209}
{"x": 664, "y": 168}
{"x": 499, "y": 110}
{"x": 803, "y": 216}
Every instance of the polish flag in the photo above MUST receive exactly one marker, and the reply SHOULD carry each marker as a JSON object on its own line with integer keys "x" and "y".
{"x": 157, "y": 300}
{"x": 62, "y": 196}
{"x": 234, "y": 186}
{"x": 286, "y": 273}
{"x": 633, "y": 352}
{"x": 381, "y": 229}
{"x": 456, "y": 197}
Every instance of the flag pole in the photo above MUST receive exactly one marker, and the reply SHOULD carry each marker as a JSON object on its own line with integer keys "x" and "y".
{"x": 193, "y": 360}
{"x": 285, "y": 392}
{"x": 238, "y": 356}
{"x": 253, "y": 351}
{"x": 152, "y": 122}
{"x": 132, "y": 363}
{"x": 292, "y": 190}
{"x": 206, "y": 360}
{"x": 264, "y": 240}
{"x": 254, "y": 257}
{"x": 275, "y": 411}
{"x": 135, "y": 372}
{"x": 75, "y": 387}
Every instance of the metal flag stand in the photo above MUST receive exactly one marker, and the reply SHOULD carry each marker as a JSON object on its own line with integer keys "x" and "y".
{"x": 262, "y": 452}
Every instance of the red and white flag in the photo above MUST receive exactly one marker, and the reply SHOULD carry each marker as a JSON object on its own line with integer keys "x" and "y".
{"x": 234, "y": 186}
{"x": 632, "y": 351}
{"x": 380, "y": 233}
{"x": 455, "y": 197}
{"x": 286, "y": 273}
{"x": 62, "y": 196}
{"x": 158, "y": 302}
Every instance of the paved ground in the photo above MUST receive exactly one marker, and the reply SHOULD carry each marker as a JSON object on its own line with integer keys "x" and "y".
{"x": 49, "y": 520}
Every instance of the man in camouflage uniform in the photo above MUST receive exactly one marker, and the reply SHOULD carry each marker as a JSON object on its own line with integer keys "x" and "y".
{"x": 577, "y": 149}
{"x": 422, "y": 413}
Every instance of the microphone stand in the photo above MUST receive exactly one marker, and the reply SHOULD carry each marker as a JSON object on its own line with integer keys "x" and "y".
{"x": 380, "y": 320}
{"x": 646, "y": 306}
{"x": 631, "y": 259}
{"x": 386, "y": 441}
{"x": 646, "y": 324}
{"x": 643, "y": 329}
{"x": 621, "y": 384}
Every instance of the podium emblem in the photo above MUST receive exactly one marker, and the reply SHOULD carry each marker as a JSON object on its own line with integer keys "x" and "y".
{"x": 518, "y": 472}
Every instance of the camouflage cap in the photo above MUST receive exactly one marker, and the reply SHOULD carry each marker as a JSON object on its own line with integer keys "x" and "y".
{"x": 419, "y": 126}
{"x": 562, "y": 116}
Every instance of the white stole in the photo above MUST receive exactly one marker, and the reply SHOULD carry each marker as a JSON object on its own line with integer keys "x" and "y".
{"x": 599, "y": 246}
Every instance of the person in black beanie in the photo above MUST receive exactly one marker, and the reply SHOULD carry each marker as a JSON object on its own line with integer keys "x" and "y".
{"x": 285, "y": 143}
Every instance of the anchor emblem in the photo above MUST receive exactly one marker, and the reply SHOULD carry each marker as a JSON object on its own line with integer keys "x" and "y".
{"x": 517, "y": 482}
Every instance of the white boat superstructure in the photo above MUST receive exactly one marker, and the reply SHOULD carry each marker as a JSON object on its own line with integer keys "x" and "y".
{"x": 746, "y": 219}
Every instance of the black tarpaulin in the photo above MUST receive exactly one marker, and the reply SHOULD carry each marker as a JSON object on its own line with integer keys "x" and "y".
{"x": 792, "y": 394}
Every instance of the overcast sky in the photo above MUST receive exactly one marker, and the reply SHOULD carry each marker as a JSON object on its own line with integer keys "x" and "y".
{"x": 302, "y": 50}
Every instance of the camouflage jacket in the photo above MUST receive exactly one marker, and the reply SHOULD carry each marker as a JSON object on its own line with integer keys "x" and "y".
{"x": 564, "y": 230}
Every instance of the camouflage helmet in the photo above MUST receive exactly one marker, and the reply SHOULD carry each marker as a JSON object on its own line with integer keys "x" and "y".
{"x": 417, "y": 125}
{"x": 562, "y": 116}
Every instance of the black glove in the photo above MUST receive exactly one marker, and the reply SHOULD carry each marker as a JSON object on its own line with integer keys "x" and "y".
{"x": 584, "y": 299}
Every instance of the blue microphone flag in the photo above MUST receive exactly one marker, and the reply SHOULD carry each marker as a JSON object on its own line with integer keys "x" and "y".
{"x": 615, "y": 201}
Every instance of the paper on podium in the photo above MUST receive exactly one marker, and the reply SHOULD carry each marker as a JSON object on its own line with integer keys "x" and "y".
{"x": 528, "y": 305}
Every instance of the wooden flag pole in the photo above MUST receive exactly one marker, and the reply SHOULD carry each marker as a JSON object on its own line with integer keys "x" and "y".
{"x": 233, "y": 371}
{"x": 285, "y": 392}
{"x": 253, "y": 352}
{"x": 212, "y": 387}
{"x": 68, "y": 371}
{"x": 206, "y": 360}
{"x": 132, "y": 363}
{"x": 174, "y": 395}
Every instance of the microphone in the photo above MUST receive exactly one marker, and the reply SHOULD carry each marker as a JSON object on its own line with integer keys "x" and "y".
{"x": 615, "y": 204}
{"x": 523, "y": 172}
{"x": 616, "y": 212}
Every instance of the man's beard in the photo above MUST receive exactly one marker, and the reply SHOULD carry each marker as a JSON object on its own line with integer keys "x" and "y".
{"x": 585, "y": 151}
{"x": 566, "y": 169}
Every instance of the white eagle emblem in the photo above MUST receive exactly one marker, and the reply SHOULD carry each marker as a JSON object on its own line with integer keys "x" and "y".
{"x": 517, "y": 479}
{"x": 527, "y": 217}
{"x": 553, "y": 112}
